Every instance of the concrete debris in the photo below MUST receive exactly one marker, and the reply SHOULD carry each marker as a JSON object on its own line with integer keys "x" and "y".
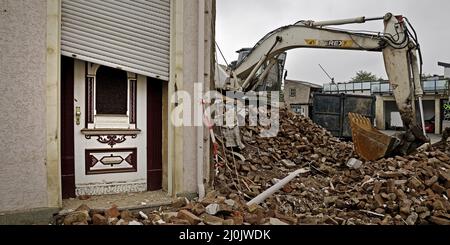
{"x": 275, "y": 221}
{"x": 134, "y": 222}
{"x": 160, "y": 222}
{"x": 333, "y": 185}
{"x": 230, "y": 202}
{"x": 288, "y": 163}
{"x": 354, "y": 163}
{"x": 212, "y": 208}
{"x": 143, "y": 215}
{"x": 122, "y": 222}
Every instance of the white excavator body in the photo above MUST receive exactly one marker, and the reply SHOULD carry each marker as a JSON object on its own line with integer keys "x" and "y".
{"x": 401, "y": 53}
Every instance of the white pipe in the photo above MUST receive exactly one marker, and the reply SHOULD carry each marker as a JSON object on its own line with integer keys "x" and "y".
{"x": 339, "y": 22}
{"x": 252, "y": 74}
{"x": 261, "y": 197}
{"x": 418, "y": 91}
{"x": 421, "y": 116}
{"x": 201, "y": 80}
{"x": 266, "y": 72}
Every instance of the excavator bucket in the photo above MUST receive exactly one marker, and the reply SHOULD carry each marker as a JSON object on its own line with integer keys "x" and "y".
{"x": 370, "y": 143}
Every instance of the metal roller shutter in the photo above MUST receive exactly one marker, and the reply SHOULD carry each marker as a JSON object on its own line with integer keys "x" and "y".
{"x": 129, "y": 35}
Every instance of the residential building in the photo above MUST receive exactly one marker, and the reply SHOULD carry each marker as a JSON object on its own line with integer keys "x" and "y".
{"x": 87, "y": 95}
{"x": 298, "y": 95}
{"x": 446, "y": 69}
{"x": 445, "y": 105}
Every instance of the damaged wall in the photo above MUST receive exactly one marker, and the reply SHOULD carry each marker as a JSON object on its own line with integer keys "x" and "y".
{"x": 23, "y": 176}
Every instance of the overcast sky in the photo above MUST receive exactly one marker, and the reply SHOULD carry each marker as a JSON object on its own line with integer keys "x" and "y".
{"x": 241, "y": 23}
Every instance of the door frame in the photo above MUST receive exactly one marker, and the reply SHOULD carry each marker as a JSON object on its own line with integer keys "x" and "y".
{"x": 154, "y": 133}
{"x": 154, "y": 130}
{"x": 67, "y": 128}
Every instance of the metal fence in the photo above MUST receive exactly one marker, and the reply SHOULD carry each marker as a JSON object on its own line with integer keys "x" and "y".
{"x": 438, "y": 86}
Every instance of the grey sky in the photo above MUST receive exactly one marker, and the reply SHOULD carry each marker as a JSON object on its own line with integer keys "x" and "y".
{"x": 241, "y": 23}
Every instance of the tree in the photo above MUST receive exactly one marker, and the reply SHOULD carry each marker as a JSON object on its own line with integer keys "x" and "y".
{"x": 364, "y": 76}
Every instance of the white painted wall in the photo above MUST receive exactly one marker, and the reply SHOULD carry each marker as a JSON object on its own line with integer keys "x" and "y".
{"x": 447, "y": 72}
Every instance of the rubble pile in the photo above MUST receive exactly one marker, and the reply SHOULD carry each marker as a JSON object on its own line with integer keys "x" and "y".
{"x": 403, "y": 190}
{"x": 335, "y": 186}
{"x": 299, "y": 143}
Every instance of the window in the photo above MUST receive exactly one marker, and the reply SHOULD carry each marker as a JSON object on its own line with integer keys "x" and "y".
{"x": 111, "y": 98}
{"x": 111, "y": 91}
{"x": 292, "y": 92}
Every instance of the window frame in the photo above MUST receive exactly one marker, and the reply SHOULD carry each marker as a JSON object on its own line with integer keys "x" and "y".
{"x": 109, "y": 121}
{"x": 292, "y": 92}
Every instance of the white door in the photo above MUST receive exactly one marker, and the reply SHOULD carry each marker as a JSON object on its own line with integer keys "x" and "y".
{"x": 110, "y": 130}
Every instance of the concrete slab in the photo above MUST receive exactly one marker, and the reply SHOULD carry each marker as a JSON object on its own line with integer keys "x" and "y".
{"x": 38, "y": 216}
{"x": 140, "y": 200}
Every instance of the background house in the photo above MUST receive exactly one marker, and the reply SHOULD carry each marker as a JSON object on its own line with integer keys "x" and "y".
{"x": 446, "y": 68}
{"x": 298, "y": 95}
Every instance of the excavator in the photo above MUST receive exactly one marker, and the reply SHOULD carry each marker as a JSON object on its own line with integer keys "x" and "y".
{"x": 402, "y": 59}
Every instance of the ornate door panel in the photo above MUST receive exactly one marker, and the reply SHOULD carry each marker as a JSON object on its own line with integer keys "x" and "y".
{"x": 110, "y": 130}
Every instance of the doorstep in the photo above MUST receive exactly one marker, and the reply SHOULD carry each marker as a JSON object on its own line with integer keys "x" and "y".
{"x": 130, "y": 201}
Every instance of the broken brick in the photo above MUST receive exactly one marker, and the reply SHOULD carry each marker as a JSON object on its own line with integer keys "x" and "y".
{"x": 112, "y": 212}
{"x": 190, "y": 217}
{"x": 198, "y": 209}
{"x": 211, "y": 220}
{"x": 99, "y": 219}
{"x": 438, "y": 188}
{"x": 431, "y": 181}
{"x": 76, "y": 217}
{"x": 439, "y": 221}
{"x": 415, "y": 183}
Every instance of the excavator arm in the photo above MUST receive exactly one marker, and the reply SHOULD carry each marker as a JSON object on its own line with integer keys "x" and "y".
{"x": 399, "y": 47}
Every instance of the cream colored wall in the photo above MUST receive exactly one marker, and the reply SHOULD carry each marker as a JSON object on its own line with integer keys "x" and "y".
{"x": 379, "y": 113}
{"x": 23, "y": 171}
{"x": 302, "y": 94}
{"x": 53, "y": 118}
{"x": 437, "y": 116}
{"x": 183, "y": 141}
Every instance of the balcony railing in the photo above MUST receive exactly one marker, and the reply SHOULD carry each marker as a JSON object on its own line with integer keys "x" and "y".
{"x": 439, "y": 86}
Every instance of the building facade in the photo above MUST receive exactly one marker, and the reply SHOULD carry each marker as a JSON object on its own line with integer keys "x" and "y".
{"x": 298, "y": 96}
{"x": 87, "y": 94}
{"x": 446, "y": 67}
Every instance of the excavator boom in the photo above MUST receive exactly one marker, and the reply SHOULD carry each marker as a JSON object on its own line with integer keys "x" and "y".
{"x": 399, "y": 47}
